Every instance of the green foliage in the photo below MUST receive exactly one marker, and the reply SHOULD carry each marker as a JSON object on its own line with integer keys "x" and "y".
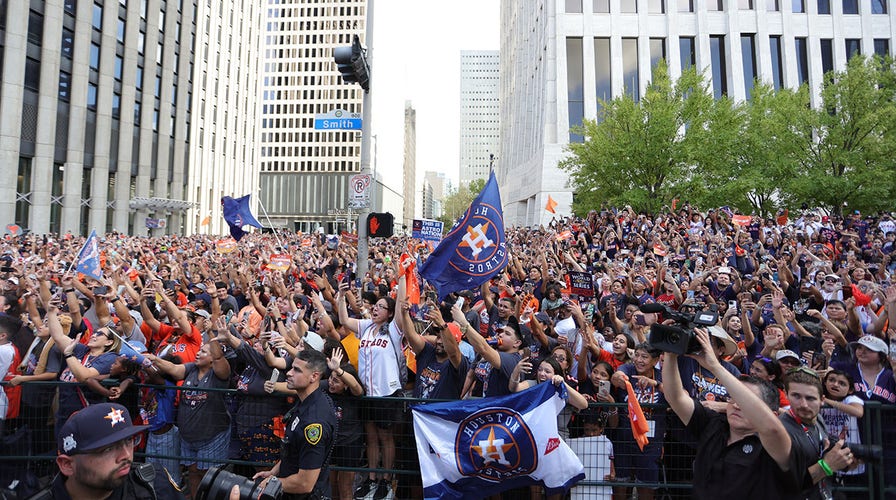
{"x": 771, "y": 152}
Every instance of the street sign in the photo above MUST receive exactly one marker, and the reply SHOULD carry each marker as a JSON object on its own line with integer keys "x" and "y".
{"x": 359, "y": 191}
{"x": 338, "y": 119}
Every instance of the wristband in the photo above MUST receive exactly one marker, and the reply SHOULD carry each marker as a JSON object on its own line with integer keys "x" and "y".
{"x": 68, "y": 356}
{"x": 825, "y": 467}
{"x": 68, "y": 290}
{"x": 340, "y": 374}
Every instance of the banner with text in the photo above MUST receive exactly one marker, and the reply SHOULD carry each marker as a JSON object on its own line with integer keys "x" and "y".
{"x": 581, "y": 284}
{"x": 428, "y": 230}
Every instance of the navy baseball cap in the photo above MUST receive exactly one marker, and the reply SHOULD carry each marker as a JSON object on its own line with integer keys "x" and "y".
{"x": 96, "y": 427}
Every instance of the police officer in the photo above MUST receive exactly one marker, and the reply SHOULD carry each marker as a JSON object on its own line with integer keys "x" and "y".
{"x": 96, "y": 459}
{"x": 310, "y": 431}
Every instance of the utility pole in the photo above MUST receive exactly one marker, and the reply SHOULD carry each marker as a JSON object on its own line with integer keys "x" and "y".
{"x": 354, "y": 62}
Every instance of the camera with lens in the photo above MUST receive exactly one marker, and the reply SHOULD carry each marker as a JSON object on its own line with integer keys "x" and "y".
{"x": 866, "y": 452}
{"x": 679, "y": 338}
{"x": 217, "y": 483}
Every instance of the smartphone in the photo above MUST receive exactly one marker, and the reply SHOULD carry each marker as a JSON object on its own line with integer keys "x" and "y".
{"x": 640, "y": 320}
{"x": 460, "y": 303}
{"x": 100, "y": 290}
{"x": 810, "y": 344}
{"x": 228, "y": 317}
{"x": 690, "y": 294}
{"x": 732, "y": 305}
{"x": 604, "y": 387}
{"x": 274, "y": 375}
{"x": 357, "y": 282}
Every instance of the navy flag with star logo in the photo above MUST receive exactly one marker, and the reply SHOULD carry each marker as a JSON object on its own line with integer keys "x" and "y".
{"x": 237, "y": 215}
{"x": 474, "y": 250}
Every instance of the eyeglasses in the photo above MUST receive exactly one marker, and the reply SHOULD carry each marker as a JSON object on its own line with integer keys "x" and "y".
{"x": 101, "y": 333}
{"x": 830, "y": 280}
{"x": 559, "y": 358}
{"x": 380, "y": 306}
{"x": 803, "y": 369}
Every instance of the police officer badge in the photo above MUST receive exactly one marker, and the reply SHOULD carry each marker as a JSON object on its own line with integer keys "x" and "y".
{"x": 313, "y": 433}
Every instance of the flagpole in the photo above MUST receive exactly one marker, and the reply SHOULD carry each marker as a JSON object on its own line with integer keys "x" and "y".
{"x": 260, "y": 204}
{"x": 78, "y": 255}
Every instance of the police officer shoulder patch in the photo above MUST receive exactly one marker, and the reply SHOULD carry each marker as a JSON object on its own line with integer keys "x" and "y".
{"x": 313, "y": 433}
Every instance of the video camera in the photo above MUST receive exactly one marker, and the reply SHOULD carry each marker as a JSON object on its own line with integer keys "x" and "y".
{"x": 680, "y": 337}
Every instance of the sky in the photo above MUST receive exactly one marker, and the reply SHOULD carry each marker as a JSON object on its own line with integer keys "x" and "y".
{"x": 416, "y": 49}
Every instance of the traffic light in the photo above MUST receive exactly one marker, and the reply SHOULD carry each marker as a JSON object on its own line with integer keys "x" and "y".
{"x": 379, "y": 225}
{"x": 352, "y": 63}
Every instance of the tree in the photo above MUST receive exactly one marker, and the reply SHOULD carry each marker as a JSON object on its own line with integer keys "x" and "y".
{"x": 757, "y": 167}
{"x": 851, "y": 161}
{"x": 458, "y": 201}
{"x": 645, "y": 154}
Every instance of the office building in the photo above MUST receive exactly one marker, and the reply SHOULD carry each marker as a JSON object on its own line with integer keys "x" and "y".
{"x": 560, "y": 57}
{"x": 479, "y": 113}
{"x": 433, "y": 194}
{"x": 305, "y": 172}
{"x": 409, "y": 168}
{"x": 182, "y": 71}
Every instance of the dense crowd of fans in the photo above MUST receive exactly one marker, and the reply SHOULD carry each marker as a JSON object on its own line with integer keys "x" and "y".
{"x": 203, "y": 313}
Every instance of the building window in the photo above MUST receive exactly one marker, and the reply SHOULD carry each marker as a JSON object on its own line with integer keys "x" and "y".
{"x": 745, "y": 4}
{"x": 686, "y": 52}
{"x": 23, "y": 185}
{"x": 827, "y": 55}
{"x": 656, "y": 6}
{"x": 882, "y": 47}
{"x": 748, "y": 56}
{"x": 802, "y": 60}
{"x": 628, "y": 6}
{"x": 91, "y": 96}
{"x": 138, "y": 83}
{"x": 68, "y": 42}
{"x": 32, "y": 74}
{"x": 97, "y": 17}
{"x": 774, "y": 43}
{"x": 685, "y": 5}
{"x": 824, "y": 6}
{"x": 715, "y": 5}
{"x": 119, "y": 62}
{"x": 94, "y": 57}
{"x": 850, "y": 6}
{"x": 65, "y": 85}
{"x": 772, "y": 5}
{"x": 798, "y": 6}
{"x": 878, "y": 6}
{"x": 719, "y": 66}
{"x": 630, "y": 77}
{"x": 35, "y": 27}
{"x": 602, "y": 73}
{"x": 575, "y": 85}
{"x": 657, "y": 51}
{"x": 574, "y": 6}
{"x": 119, "y": 35}
{"x": 601, "y": 6}
{"x": 116, "y": 106}
{"x": 853, "y": 47}
{"x": 138, "y": 110}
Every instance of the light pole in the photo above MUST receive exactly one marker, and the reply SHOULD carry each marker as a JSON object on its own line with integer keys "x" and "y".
{"x": 366, "y": 114}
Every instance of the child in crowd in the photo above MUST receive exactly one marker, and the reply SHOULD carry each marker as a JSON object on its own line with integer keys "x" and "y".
{"x": 596, "y": 452}
{"x": 841, "y": 412}
{"x": 125, "y": 392}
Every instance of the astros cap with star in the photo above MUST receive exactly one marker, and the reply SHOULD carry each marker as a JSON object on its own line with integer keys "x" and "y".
{"x": 96, "y": 427}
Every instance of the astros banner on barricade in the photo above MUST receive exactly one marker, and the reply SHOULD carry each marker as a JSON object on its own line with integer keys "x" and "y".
{"x": 476, "y": 448}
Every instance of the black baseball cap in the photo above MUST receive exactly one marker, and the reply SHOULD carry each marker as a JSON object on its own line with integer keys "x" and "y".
{"x": 96, "y": 427}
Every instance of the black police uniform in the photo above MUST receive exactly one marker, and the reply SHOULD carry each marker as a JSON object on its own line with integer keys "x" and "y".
{"x": 310, "y": 433}
{"x": 145, "y": 482}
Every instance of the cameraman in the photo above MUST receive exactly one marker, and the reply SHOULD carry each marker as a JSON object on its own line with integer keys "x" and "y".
{"x": 744, "y": 453}
{"x": 810, "y": 438}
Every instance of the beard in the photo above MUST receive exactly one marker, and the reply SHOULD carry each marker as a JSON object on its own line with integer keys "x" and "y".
{"x": 96, "y": 480}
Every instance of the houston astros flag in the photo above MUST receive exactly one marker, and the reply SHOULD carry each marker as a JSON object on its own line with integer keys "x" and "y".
{"x": 477, "y": 448}
{"x": 475, "y": 248}
{"x": 237, "y": 215}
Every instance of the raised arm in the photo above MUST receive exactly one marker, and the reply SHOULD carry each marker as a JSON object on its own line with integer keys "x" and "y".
{"x": 682, "y": 403}
{"x": 351, "y": 323}
{"x": 480, "y": 345}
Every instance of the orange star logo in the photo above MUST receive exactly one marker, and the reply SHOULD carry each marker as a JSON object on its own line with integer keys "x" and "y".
{"x": 493, "y": 450}
{"x": 115, "y": 416}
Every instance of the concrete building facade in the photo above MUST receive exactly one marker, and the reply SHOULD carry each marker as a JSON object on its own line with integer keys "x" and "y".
{"x": 480, "y": 124}
{"x": 560, "y": 56}
{"x": 104, "y": 106}
{"x": 305, "y": 172}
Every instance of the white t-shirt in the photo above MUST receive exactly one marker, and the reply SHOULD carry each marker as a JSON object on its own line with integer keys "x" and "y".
{"x": 596, "y": 452}
{"x": 7, "y": 354}
{"x": 843, "y": 426}
{"x": 379, "y": 358}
